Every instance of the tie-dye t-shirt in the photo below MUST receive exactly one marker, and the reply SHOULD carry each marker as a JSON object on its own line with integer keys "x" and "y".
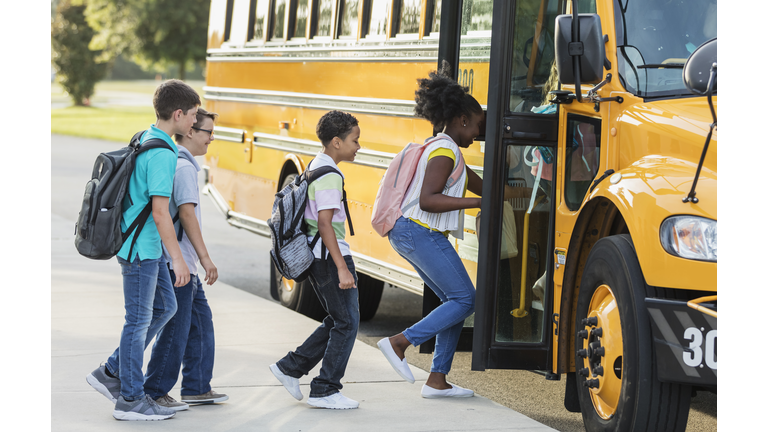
{"x": 326, "y": 193}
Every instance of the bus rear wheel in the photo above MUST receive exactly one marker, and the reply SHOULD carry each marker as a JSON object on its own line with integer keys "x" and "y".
{"x": 369, "y": 294}
{"x": 615, "y": 373}
{"x": 297, "y": 296}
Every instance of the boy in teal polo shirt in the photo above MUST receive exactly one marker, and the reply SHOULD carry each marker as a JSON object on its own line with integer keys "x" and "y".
{"x": 146, "y": 280}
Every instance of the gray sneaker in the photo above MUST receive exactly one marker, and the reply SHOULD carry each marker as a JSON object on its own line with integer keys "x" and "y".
{"x": 207, "y": 398}
{"x": 169, "y": 402}
{"x": 104, "y": 384}
{"x": 141, "y": 409}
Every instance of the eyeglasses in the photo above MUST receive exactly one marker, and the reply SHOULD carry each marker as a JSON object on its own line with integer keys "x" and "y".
{"x": 210, "y": 132}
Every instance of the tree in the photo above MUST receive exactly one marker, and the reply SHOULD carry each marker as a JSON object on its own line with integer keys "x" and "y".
{"x": 152, "y": 32}
{"x": 76, "y": 64}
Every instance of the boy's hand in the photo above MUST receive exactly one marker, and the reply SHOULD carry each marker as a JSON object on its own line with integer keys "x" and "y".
{"x": 346, "y": 280}
{"x": 211, "y": 272}
{"x": 181, "y": 271}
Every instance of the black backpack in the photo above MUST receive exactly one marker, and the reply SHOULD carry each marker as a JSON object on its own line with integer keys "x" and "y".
{"x": 97, "y": 232}
{"x": 291, "y": 252}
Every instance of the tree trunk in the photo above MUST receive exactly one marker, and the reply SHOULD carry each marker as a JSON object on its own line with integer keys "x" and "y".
{"x": 182, "y": 70}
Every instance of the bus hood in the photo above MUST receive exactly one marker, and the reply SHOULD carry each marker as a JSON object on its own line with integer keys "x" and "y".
{"x": 675, "y": 129}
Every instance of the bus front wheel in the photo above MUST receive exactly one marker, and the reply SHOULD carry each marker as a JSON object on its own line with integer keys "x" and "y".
{"x": 615, "y": 373}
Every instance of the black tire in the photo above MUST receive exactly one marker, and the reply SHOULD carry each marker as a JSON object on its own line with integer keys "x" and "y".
{"x": 627, "y": 395}
{"x": 369, "y": 294}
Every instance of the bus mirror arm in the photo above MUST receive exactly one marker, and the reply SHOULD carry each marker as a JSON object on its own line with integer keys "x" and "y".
{"x": 703, "y": 58}
{"x": 592, "y": 95}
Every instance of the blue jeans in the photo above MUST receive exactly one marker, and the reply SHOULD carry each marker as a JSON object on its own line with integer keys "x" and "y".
{"x": 438, "y": 264}
{"x": 149, "y": 304}
{"x": 333, "y": 340}
{"x": 188, "y": 339}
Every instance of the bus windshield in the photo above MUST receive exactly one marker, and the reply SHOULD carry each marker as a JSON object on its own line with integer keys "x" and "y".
{"x": 656, "y": 37}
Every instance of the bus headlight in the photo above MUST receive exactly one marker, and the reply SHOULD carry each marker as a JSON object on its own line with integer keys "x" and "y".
{"x": 690, "y": 237}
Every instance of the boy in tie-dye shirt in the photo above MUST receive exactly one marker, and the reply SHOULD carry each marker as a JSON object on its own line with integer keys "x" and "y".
{"x": 332, "y": 274}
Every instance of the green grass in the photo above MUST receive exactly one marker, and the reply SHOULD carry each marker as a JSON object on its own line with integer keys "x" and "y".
{"x": 111, "y": 122}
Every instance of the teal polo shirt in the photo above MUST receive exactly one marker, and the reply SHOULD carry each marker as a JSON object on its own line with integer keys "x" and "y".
{"x": 152, "y": 176}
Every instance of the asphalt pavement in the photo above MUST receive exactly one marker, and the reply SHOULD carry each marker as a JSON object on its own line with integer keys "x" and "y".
{"x": 251, "y": 333}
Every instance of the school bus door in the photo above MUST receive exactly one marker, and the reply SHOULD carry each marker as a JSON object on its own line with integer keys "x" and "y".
{"x": 514, "y": 303}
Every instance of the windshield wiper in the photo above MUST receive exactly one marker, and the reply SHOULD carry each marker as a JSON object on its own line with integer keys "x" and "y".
{"x": 662, "y": 65}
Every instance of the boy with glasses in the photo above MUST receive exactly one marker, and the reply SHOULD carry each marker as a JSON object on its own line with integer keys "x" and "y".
{"x": 188, "y": 336}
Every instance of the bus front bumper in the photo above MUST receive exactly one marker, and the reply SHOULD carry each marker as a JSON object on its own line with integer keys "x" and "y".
{"x": 685, "y": 342}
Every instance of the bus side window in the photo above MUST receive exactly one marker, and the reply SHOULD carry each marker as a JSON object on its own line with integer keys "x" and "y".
{"x": 257, "y": 20}
{"x": 348, "y": 18}
{"x": 378, "y": 13}
{"x": 433, "y": 18}
{"x": 322, "y": 18}
{"x": 301, "y": 14}
{"x": 408, "y": 14}
{"x": 278, "y": 20}
{"x": 582, "y": 152}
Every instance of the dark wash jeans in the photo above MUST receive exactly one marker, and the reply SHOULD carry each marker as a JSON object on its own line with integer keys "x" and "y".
{"x": 332, "y": 342}
{"x": 149, "y": 305}
{"x": 187, "y": 338}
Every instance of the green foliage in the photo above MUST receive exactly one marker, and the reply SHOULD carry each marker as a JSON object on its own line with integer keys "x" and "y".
{"x": 76, "y": 65}
{"x": 153, "y": 33}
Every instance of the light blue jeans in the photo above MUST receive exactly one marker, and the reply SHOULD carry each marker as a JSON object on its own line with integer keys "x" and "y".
{"x": 438, "y": 264}
{"x": 147, "y": 288}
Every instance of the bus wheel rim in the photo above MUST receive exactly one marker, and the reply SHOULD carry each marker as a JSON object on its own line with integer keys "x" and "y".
{"x": 288, "y": 284}
{"x": 605, "y": 349}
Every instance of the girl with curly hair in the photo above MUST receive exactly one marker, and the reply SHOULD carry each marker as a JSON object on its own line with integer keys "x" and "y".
{"x": 437, "y": 209}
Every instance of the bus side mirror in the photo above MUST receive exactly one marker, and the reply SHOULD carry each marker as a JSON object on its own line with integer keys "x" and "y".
{"x": 701, "y": 67}
{"x": 591, "y": 49}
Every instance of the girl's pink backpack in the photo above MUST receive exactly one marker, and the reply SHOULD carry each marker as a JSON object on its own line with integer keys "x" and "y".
{"x": 394, "y": 185}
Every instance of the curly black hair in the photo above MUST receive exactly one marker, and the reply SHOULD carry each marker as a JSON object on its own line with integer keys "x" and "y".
{"x": 440, "y": 98}
{"x": 335, "y": 124}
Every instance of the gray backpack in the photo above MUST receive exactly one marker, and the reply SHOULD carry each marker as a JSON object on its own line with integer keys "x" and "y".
{"x": 97, "y": 232}
{"x": 291, "y": 251}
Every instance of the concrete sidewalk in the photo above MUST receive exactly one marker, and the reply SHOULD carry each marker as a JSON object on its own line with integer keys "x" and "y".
{"x": 251, "y": 333}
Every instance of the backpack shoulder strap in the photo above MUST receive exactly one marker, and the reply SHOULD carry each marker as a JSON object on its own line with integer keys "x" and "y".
{"x": 153, "y": 144}
{"x": 323, "y": 170}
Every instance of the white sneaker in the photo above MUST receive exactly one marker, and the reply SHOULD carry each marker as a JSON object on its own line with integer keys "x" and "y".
{"x": 334, "y": 401}
{"x": 455, "y": 391}
{"x": 290, "y": 383}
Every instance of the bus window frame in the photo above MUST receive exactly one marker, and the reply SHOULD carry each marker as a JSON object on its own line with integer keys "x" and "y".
{"x": 430, "y": 16}
{"x": 340, "y": 17}
{"x": 395, "y": 19}
{"x": 269, "y": 40}
{"x": 365, "y": 35}
{"x": 313, "y": 18}
{"x": 251, "y": 35}
{"x": 294, "y": 11}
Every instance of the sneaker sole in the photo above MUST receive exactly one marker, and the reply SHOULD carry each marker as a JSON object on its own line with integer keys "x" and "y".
{"x": 132, "y": 416}
{"x": 100, "y": 387}
{"x": 446, "y": 397}
{"x": 330, "y": 406}
{"x": 205, "y": 401}
{"x": 176, "y": 408}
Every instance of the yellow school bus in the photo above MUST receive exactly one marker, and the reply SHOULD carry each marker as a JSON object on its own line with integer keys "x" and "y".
{"x": 607, "y": 273}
